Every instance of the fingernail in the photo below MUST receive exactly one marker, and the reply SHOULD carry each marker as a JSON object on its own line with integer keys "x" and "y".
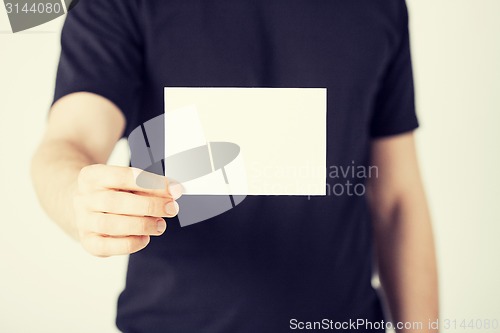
{"x": 172, "y": 208}
{"x": 161, "y": 226}
{"x": 175, "y": 190}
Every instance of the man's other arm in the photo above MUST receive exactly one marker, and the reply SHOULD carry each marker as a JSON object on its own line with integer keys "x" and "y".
{"x": 403, "y": 234}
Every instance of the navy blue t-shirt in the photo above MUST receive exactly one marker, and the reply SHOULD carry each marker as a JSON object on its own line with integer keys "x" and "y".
{"x": 272, "y": 259}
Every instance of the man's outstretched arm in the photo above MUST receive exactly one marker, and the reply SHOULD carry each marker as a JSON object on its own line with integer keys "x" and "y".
{"x": 101, "y": 206}
{"x": 403, "y": 234}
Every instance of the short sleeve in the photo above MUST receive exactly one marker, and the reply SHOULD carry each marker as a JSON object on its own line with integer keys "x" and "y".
{"x": 101, "y": 53}
{"x": 394, "y": 111}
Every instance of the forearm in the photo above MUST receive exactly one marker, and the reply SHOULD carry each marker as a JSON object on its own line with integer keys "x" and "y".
{"x": 406, "y": 261}
{"x": 55, "y": 168}
{"x": 82, "y": 129}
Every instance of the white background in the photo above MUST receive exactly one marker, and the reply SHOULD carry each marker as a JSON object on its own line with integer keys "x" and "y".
{"x": 48, "y": 284}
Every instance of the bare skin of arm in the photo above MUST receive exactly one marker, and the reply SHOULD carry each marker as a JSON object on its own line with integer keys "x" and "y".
{"x": 100, "y": 206}
{"x": 403, "y": 234}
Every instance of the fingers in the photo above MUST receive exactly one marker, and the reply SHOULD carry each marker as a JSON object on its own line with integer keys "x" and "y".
{"x": 106, "y": 235}
{"x": 122, "y": 225}
{"x": 108, "y": 246}
{"x": 117, "y": 209}
{"x": 128, "y": 179}
{"x": 126, "y": 203}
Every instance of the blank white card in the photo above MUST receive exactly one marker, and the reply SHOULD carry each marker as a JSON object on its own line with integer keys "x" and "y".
{"x": 250, "y": 141}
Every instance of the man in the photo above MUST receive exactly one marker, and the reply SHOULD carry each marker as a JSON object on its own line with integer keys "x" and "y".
{"x": 272, "y": 263}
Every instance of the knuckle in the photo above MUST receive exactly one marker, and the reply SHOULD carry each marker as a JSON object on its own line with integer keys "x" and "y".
{"x": 119, "y": 177}
{"x": 150, "y": 207}
{"x": 108, "y": 202}
{"x": 81, "y": 225}
{"x": 101, "y": 224}
{"x": 101, "y": 247}
{"x": 159, "y": 206}
{"x": 130, "y": 245}
{"x": 85, "y": 203}
{"x": 93, "y": 245}
{"x": 85, "y": 174}
{"x": 143, "y": 226}
{"x": 88, "y": 174}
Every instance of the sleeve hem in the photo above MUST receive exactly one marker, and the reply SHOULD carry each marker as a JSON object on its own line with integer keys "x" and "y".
{"x": 395, "y": 131}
